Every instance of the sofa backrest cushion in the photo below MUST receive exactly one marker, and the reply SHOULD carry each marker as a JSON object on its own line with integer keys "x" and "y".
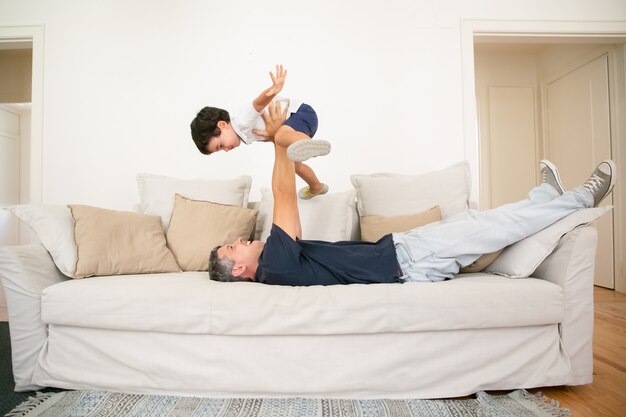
{"x": 156, "y": 193}
{"x": 329, "y": 217}
{"x": 397, "y": 195}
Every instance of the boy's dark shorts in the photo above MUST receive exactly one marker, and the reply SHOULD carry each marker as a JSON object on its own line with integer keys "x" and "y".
{"x": 303, "y": 120}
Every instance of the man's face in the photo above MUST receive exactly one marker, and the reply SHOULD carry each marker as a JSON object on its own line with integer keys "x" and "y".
{"x": 225, "y": 141}
{"x": 245, "y": 254}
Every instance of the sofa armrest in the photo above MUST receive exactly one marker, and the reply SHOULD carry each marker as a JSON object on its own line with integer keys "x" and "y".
{"x": 25, "y": 271}
{"x": 572, "y": 265}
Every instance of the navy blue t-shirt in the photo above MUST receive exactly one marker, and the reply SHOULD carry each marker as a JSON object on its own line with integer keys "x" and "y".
{"x": 285, "y": 261}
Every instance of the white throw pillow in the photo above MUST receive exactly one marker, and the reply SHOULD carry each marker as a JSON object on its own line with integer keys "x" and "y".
{"x": 522, "y": 258}
{"x": 157, "y": 193}
{"x": 399, "y": 195}
{"x": 328, "y": 217}
{"x": 54, "y": 226}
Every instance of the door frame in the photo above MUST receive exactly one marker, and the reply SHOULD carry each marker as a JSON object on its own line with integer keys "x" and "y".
{"x": 554, "y": 32}
{"x": 34, "y": 34}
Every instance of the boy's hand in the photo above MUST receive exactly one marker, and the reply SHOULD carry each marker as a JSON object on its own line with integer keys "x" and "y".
{"x": 274, "y": 119}
{"x": 278, "y": 81}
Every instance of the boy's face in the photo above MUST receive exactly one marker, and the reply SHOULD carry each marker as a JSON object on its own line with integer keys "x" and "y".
{"x": 227, "y": 139}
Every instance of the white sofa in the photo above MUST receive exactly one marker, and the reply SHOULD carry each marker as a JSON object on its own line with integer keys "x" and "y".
{"x": 181, "y": 333}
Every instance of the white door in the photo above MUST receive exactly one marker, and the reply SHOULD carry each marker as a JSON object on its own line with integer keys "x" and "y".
{"x": 579, "y": 137}
{"x": 9, "y": 175}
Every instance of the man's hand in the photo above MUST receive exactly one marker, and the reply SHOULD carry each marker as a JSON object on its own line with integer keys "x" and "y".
{"x": 274, "y": 119}
{"x": 278, "y": 81}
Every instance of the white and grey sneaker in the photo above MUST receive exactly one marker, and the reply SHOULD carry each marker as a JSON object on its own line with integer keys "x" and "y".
{"x": 601, "y": 182}
{"x": 306, "y": 149}
{"x": 550, "y": 175}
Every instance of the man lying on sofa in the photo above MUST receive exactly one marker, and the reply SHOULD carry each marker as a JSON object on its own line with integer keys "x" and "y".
{"x": 432, "y": 252}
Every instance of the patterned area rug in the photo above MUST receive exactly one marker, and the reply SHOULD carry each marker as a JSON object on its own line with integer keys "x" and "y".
{"x": 109, "y": 404}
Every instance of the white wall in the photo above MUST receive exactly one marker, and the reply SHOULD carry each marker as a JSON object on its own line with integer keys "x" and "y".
{"x": 123, "y": 80}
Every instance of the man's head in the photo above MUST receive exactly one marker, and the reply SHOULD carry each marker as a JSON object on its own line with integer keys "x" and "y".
{"x": 237, "y": 261}
{"x": 211, "y": 131}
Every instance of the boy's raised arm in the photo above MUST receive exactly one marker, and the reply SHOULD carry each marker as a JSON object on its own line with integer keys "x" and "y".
{"x": 278, "y": 81}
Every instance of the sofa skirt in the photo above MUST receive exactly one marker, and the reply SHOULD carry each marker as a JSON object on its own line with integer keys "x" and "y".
{"x": 434, "y": 364}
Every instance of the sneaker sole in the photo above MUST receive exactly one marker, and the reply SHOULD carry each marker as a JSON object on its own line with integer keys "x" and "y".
{"x": 306, "y": 149}
{"x": 555, "y": 172}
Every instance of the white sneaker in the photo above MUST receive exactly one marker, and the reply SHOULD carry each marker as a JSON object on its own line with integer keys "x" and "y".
{"x": 306, "y": 194}
{"x": 306, "y": 149}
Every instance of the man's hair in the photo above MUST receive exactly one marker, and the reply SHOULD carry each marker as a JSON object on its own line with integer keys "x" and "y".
{"x": 204, "y": 126}
{"x": 220, "y": 269}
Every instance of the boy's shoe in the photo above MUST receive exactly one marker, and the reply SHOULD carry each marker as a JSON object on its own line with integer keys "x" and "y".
{"x": 601, "y": 182}
{"x": 306, "y": 194}
{"x": 306, "y": 149}
{"x": 550, "y": 175}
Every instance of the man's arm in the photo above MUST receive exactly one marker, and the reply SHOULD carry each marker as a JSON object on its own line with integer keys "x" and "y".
{"x": 286, "y": 215}
{"x": 266, "y": 97}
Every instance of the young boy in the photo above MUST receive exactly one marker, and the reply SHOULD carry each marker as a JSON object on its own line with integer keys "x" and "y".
{"x": 213, "y": 130}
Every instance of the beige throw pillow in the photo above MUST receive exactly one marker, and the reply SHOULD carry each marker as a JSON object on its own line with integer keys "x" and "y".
{"x": 375, "y": 227}
{"x": 196, "y": 227}
{"x": 113, "y": 242}
{"x": 481, "y": 263}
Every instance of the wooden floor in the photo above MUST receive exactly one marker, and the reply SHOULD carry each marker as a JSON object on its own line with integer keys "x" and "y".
{"x": 606, "y": 396}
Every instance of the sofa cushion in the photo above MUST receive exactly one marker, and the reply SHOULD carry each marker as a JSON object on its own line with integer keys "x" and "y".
{"x": 328, "y": 217}
{"x": 375, "y": 227}
{"x": 396, "y": 194}
{"x": 520, "y": 259}
{"x": 54, "y": 226}
{"x": 188, "y": 302}
{"x": 196, "y": 227}
{"x": 156, "y": 193}
{"x": 119, "y": 242}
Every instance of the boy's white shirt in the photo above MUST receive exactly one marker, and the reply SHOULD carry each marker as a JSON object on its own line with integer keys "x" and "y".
{"x": 248, "y": 119}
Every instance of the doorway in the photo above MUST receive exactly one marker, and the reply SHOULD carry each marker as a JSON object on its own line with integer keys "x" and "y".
{"x": 15, "y": 104}
{"x": 21, "y": 129}
{"x": 33, "y": 36}
{"x": 519, "y": 80}
{"x": 545, "y": 100}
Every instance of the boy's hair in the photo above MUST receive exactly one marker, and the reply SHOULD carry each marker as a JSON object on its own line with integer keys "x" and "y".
{"x": 204, "y": 126}
{"x": 220, "y": 269}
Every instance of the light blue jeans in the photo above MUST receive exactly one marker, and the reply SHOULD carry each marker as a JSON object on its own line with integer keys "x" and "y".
{"x": 439, "y": 250}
